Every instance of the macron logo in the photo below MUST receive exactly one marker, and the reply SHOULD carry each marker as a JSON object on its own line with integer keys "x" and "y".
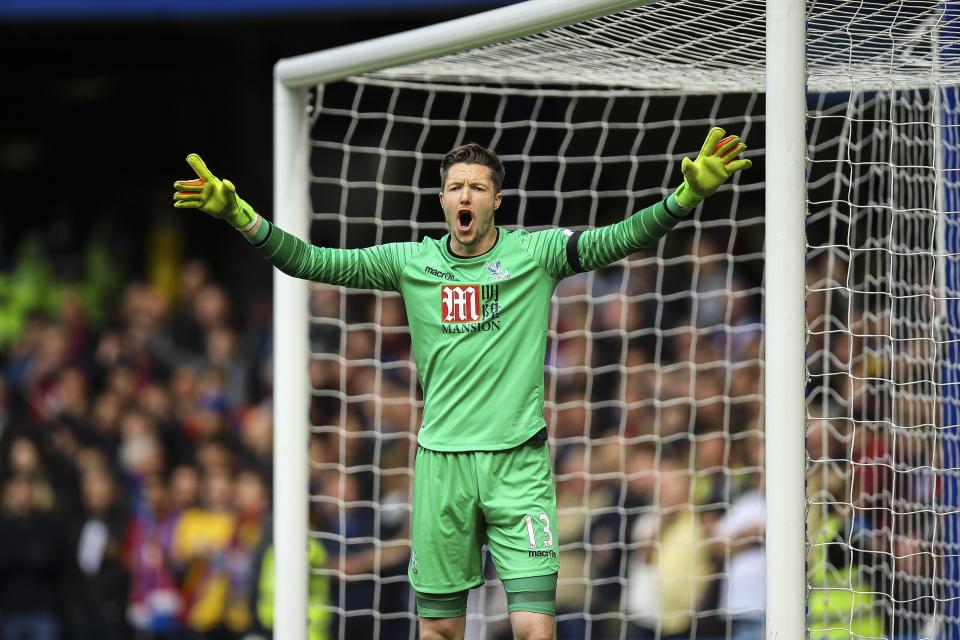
{"x": 446, "y": 275}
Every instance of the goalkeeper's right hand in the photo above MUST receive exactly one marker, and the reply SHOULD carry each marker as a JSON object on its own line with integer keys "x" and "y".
{"x": 213, "y": 196}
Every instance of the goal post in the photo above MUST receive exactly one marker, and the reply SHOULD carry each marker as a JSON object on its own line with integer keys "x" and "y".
{"x": 947, "y": 115}
{"x": 291, "y": 389}
{"x": 496, "y": 25}
{"x": 810, "y": 305}
{"x": 949, "y": 245}
{"x": 785, "y": 331}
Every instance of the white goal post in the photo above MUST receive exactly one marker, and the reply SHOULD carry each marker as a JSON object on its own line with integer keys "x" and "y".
{"x": 784, "y": 330}
{"x": 860, "y": 123}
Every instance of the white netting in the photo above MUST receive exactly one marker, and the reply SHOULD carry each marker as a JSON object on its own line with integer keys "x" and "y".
{"x": 882, "y": 551}
{"x": 654, "y": 365}
{"x": 882, "y": 514}
{"x": 709, "y": 47}
{"x": 653, "y": 371}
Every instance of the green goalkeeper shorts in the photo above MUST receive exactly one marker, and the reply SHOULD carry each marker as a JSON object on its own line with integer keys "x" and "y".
{"x": 463, "y": 500}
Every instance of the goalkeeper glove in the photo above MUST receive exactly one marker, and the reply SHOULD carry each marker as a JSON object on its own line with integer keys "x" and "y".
{"x": 213, "y": 196}
{"x": 716, "y": 162}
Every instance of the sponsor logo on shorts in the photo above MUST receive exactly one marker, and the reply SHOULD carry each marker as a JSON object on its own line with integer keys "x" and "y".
{"x": 542, "y": 554}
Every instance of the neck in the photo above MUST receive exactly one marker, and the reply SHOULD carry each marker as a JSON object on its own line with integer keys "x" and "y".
{"x": 481, "y": 246}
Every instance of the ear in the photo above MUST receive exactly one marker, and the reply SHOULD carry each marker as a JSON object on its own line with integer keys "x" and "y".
{"x": 497, "y": 200}
{"x": 441, "y": 198}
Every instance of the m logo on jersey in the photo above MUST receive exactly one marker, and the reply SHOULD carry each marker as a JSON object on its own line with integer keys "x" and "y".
{"x": 469, "y": 308}
{"x": 460, "y": 303}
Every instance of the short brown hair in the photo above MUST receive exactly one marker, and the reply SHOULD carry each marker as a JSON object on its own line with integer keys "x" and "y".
{"x": 472, "y": 153}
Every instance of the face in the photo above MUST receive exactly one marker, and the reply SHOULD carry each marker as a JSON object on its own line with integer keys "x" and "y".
{"x": 469, "y": 199}
{"x": 184, "y": 486}
{"x": 19, "y": 495}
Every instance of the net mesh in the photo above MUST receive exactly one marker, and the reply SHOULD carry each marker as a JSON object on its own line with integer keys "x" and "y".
{"x": 654, "y": 365}
{"x": 710, "y": 47}
{"x": 881, "y": 523}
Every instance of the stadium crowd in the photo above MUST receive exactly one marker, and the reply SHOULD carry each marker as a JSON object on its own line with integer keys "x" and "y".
{"x": 136, "y": 457}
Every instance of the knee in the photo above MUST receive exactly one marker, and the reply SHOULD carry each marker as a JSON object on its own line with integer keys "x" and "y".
{"x": 532, "y": 626}
{"x": 452, "y": 609}
{"x": 535, "y": 634}
{"x": 441, "y": 628}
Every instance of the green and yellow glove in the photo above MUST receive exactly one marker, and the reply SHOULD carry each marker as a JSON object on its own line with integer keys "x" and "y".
{"x": 717, "y": 162}
{"x": 213, "y": 196}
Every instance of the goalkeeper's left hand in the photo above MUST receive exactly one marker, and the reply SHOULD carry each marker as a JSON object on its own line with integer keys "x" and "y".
{"x": 716, "y": 162}
{"x": 213, "y": 196}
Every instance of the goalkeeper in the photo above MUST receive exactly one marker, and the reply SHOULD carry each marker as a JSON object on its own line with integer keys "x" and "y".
{"x": 477, "y": 302}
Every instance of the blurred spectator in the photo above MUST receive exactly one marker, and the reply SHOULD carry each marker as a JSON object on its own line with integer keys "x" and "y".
{"x": 911, "y": 612}
{"x": 575, "y": 503}
{"x": 96, "y": 593}
{"x": 842, "y": 603}
{"x": 627, "y": 501}
{"x": 744, "y": 332}
{"x": 201, "y": 547}
{"x": 669, "y": 570}
{"x": 738, "y": 542}
{"x": 22, "y": 457}
{"x": 155, "y": 605}
{"x": 33, "y": 558}
{"x": 256, "y": 438}
{"x": 141, "y": 453}
{"x": 572, "y": 417}
{"x": 252, "y": 500}
{"x": 105, "y": 421}
{"x": 184, "y": 487}
{"x": 262, "y": 596}
{"x": 711, "y": 486}
{"x": 353, "y": 553}
{"x": 711, "y": 283}
{"x": 214, "y": 544}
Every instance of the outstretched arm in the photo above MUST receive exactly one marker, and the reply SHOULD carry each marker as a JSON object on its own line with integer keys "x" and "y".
{"x": 373, "y": 268}
{"x": 715, "y": 163}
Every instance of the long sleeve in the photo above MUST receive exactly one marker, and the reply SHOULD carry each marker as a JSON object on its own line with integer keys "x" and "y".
{"x": 370, "y": 268}
{"x": 604, "y": 245}
{"x": 562, "y": 252}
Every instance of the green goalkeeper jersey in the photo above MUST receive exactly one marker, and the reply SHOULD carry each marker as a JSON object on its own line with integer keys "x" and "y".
{"x": 478, "y": 324}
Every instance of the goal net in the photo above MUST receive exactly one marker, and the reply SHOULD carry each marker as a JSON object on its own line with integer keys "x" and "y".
{"x": 654, "y": 365}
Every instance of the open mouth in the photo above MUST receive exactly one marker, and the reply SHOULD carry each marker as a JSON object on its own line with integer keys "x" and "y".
{"x": 464, "y": 219}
